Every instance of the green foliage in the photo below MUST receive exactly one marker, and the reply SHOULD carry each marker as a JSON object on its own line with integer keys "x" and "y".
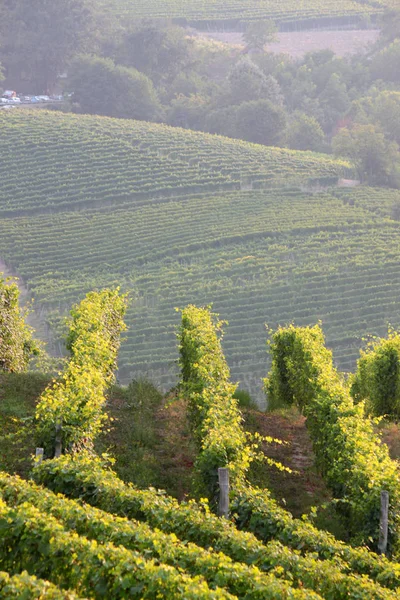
{"x": 39, "y": 39}
{"x": 376, "y": 158}
{"x": 215, "y": 416}
{"x": 17, "y": 345}
{"x": 85, "y": 478}
{"x": 244, "y": 399}
{"x": 349, "y": 453}
{"x": 217, "y": 568}
{"x": 258, "y": 512}
{"x": 100, "y": 87}
{"x": 385, "y": 64}
{"x": 259, "y": 33}
{"x": 28, "y": 587}
{"x": 377, "y": 380}
{"x": 76, "y": 401}
{"x": 161, "y": 52}
{"x": 39, "y": 543}
{"x": 260, "y": 122}
{"x": 304, "y": 133}
{"x": 247, "y": 82}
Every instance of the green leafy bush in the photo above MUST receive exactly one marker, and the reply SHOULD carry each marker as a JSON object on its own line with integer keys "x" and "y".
{"x": 349, "y": 453}
{"x": 27, "y": 587}
{"x": 17, "y": 345}
{"x": 217, "y": 568}
{"x": 244, "y": 399}
{"x": 214, "y": 413}
{"x": 85, "y": 478}
{"x": 76, "y": 401}
{"x": 377, "y": 380}
{"x": 38, "y": 543}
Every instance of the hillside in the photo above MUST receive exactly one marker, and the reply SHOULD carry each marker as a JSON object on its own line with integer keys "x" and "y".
{"x": 230, "y": 14}
{"x": 162, "y": 214}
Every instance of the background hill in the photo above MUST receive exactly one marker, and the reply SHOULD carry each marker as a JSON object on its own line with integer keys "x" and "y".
{"x": 170, "y": 216}
{"x": 230, "y": 13}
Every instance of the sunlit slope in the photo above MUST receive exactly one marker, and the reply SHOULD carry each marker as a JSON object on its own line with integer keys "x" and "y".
{"x": 231, "y": 11}
{"x": 72, "y": 218}
{"x": 55, "y": 161}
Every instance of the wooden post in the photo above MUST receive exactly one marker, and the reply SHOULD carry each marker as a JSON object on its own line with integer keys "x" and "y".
{"x": 223, "y": 480}
{"x": 383, "y": 525}
{"x": 58, "y": 446}
{"x": 38, "y": 456}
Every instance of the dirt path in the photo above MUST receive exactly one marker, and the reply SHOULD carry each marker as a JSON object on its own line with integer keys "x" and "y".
{"x": 304, "y": 488}
{"x": 298, "y": 43}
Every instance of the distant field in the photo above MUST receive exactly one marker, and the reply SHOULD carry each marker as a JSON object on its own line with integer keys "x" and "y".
{"x": 298, "y": 43}
{"x": 233, "y": 11}
{"x": 171, "y": 216}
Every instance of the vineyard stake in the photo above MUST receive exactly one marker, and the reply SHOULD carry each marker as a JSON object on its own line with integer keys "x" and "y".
{"x": 38, "y": 456}
{"x": 58, "y": 445}
{"x": 383, "y": 525}
{"x": 223, "y": 480}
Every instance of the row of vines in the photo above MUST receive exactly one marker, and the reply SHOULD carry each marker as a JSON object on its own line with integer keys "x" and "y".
{"x": 234, "y": 12}
{"x": 129, "y": 543}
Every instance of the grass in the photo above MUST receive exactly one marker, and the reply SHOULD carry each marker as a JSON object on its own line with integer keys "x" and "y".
{"x": 149, "y": 438}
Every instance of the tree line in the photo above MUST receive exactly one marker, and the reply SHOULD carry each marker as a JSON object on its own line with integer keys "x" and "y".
{"x": 157, "y": 71}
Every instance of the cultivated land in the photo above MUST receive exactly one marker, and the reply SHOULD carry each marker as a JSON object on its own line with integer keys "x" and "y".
{"x": 170, "y": 216}
{"x": 231, "y": 13}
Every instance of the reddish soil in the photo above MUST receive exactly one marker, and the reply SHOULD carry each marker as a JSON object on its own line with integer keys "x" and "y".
{"x": 304, "y": 487}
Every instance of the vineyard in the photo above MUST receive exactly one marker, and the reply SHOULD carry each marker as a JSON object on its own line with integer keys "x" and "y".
{"x": 75, "y": 530}
{"x": 233, "y": 12}
{"x": 272, "y": 254}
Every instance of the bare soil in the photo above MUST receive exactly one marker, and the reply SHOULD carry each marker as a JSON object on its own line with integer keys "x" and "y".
{"x": 298, "y": 43}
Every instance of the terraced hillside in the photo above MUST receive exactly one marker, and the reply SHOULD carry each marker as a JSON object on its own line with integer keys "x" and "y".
{"x": 235, "y": 11}
{"x": 89, "y": 201}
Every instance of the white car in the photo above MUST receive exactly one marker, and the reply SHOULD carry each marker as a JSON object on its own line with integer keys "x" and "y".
{"x": 15, "y": 100}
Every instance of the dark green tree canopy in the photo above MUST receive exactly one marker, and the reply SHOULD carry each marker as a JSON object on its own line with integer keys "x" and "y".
{"x": 260, "y": 122}
{"x": 39, "y": 37}
{"x": 101, "y": 87}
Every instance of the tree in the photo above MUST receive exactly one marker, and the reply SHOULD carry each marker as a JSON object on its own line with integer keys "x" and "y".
{"x": 222, "y": 121}
{"x": 248, "y": 82}
{"x": 259, "y": 33}
{"x": 386, "y": 110}
{"x": 334, "y": 101}
{"x": 260, "y": 122}
{"x": 100, "y": 87}
{"x": 17, "y": 345}
{"x": 159, "y": 52}
{"x": 305, "y": 133}
{"x": 376, "y": 159}
{"x": 385, "y": 64}
{"x": 39, "y": 39}
{"x": 188, "y": 111}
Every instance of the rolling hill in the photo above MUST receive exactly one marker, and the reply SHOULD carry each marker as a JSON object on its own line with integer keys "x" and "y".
{"x": 234, "y": 13}
{"x": 179, "y": 217}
